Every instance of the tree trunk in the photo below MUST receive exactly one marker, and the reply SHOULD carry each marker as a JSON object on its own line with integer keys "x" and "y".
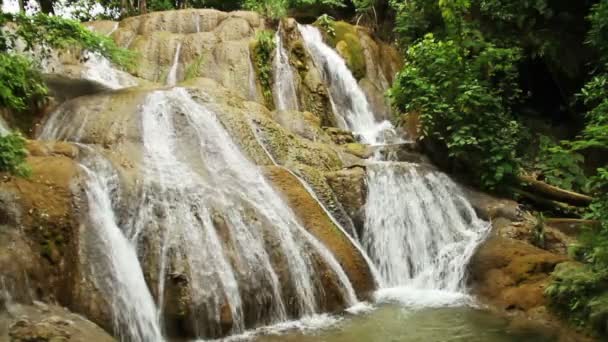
{"x": 124, "y": 4}
{"x": 143, "y": 7}
{"x": 21, "y": 6}
{"x": 545, "y": 203}
{"x": 555, "y": 193}
{"x": 46, "y": 6}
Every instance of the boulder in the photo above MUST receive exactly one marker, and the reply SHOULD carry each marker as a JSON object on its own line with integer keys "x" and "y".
{"x": 42, "y": 322}
{"x": 350, "y": 188}
{"x": 512, "y": 274}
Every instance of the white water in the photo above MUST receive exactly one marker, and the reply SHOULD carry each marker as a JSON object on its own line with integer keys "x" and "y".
{"x": 99, "y": 69}
{"x": 112, "y": 259}
{"x": 3, "y": 127}
{"x": 349, "y": 103}
{"x": 179, "y": 205}
{"x": 172, "y": 75}
{"x": 285, "y": 97}
{"x": 421, "y": 232}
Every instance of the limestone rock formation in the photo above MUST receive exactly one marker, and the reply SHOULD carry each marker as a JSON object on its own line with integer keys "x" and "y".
{"x": 49, "y": 323}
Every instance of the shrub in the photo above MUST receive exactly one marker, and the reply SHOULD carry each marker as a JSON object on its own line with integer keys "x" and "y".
{"x": 21, "y": 82}
{"x": 13, "y": 154}
{"x": 464, "y": 102}
{"x": 263, "y": 49}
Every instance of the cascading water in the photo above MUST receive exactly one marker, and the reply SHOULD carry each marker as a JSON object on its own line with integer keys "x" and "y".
{"x": 112, "y": 258}
{"x": 420, "y": 231}
{"x": 348, "y": 101}
{"x": 209, "y": 214}
{"x": 99, "y": 69}
{"x": 172, "y": 75}
{"x": 178, "y": 196}
{"x": 285, "y": 96}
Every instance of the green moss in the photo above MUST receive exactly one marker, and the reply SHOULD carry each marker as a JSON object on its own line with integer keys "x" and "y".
{"x": 261, "y": 53}
{"x": 359, "y": 150}
{"x": 345, "y": 39}
{"x": 193, "y": 70}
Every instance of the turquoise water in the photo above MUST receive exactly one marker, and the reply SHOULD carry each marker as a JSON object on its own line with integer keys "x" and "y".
{"x": 396, "y": 324}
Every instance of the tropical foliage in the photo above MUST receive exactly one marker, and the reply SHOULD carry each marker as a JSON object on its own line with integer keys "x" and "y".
{"x": 22, "y": 87}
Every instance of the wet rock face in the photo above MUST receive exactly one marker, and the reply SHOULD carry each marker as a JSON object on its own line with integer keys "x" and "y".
{"x": 39, "y": 236}
{"x": 212, "y": 44}
{"x": 351, "y": 190}
{"x": 112, "y": 121}
{"x": 47, "y": 323}
{"x": 317, "y": 222}
{"x": 39, "y": 215}
{"x": 510, "y": 273}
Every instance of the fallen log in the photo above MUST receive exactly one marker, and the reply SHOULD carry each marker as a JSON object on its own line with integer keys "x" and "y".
{"x": 554, "y": 193}
{"x": 545, "y": 203}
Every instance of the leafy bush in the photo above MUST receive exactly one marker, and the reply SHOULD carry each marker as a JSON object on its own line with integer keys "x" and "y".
{"x": 463, "y": 100}
{"x": 21, "y": 82}
{"x": 13, "y": 154}
{"x": 561, "y": 166}
{"x": 327, "y": 23}
{"x": 575, "y": 289}
{"x": 46, "y": 31}
{"x": 275, "y": 9}
{"x": 263, "y": 49}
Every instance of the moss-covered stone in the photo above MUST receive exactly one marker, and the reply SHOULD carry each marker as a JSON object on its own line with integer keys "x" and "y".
{"x": 346, "y": 41}
{"x": 359, "y": 150}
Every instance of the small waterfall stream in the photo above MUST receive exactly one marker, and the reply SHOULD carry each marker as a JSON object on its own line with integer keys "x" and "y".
{"x": 112, "y": 258}
{"x": 172, "y": 75}
{"x": 285, "y": 96}
{"x": 421, "y": 232}
{"x": 348, "y": 101}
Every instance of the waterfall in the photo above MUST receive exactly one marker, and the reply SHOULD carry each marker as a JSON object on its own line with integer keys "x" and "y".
{"x": 285, "y": 96}
{"x": 112, "y": 258}
{"x": 348, "y": 101}
{"x": 421, "y": 232}
{"x": 172, "y": 75}
{"x": 186, "y": 202}
{"x": 99, "y": 69}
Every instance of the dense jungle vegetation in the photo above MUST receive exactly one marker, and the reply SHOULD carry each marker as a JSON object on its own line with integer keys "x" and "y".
{"x": 508, "y": 91}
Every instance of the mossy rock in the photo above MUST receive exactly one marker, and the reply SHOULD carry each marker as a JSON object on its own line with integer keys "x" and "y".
{"x": 346, "y": 41}
{"x": 359, "y": 150}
